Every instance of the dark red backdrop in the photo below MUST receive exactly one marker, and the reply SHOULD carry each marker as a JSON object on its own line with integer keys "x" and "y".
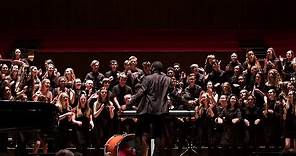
{"x": 105, "y": 28}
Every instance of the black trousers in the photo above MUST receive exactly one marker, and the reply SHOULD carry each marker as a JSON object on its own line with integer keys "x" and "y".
{"x": 153, "y": 126}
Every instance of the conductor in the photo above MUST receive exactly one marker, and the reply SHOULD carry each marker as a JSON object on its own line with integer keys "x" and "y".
{"x": 152, "y": 103}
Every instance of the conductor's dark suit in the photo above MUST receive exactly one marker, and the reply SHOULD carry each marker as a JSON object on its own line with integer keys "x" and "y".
{"x": 152, "y": 96}
{"x": 151, "y": 100}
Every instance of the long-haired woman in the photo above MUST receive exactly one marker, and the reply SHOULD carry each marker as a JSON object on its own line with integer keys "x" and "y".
{"x": 70, "y": 77}
{"x": 271, "y": 61}
{"x": 31, "y": 84}
{"x": 289, "y": 117}
{"x": 65, "y": 120}
{"x": 251, "y": 60}
{"x": 43, "y": 90}
{"x": 272, "y": 113}
{"x": 14, "y": 78}
{"x": 76, "y": 91}
{"x": 273, "y": 81}
{"x": 82, "y": 119}
{"x": 103, "y": 114}
{"x": 205, "y": 118}
{"x": 232, "y": 127}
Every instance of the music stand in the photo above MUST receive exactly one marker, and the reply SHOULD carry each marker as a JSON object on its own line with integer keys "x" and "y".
{"x": 190, "y": 148}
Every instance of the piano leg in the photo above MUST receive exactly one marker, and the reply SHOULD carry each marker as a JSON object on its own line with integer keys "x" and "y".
{"x": 21, "y": 145}
{"x": 3, "y": 141}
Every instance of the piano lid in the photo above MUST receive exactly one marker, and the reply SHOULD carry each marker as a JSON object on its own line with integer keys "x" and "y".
{"x": 27, "y": 115}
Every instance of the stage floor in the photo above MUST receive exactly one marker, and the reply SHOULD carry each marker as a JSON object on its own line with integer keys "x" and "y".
{"x": 201, "y": 151}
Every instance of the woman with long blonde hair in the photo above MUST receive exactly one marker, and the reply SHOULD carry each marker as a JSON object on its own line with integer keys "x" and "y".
{"x": 273, "y": 81}
{"x": 205, "y": 118}
{"x": 65, "y": 120}
{"x": 103, "y": 117}
{"x": 70, "y": 77}
{"x": 251, "y": 60}
{"x": 83, "y": 121}
{"x": 44, "y": 90}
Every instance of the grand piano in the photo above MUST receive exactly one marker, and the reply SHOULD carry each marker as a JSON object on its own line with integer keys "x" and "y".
{"x": 18, "y": 117}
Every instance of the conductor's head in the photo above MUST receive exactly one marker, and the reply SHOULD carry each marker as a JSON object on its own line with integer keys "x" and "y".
{"x": 156, "y": 67}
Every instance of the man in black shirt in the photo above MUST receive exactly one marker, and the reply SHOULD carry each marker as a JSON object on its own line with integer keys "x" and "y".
{"x": 120, "y": 90}
{"x": 191, "y": 92}
{"x": 95, "y": 75}
{"x": 113, "y": 73}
